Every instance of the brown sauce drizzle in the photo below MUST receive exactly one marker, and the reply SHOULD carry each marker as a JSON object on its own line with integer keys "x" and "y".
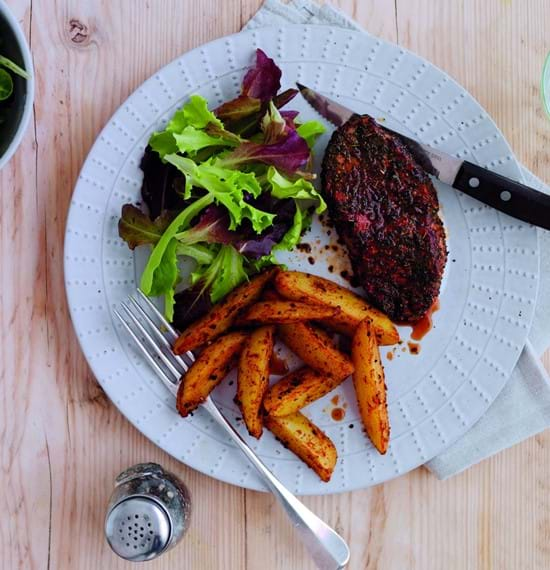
{"x": 338, "y": 414}
{"x": 277, "y": 365}
{"x": 423, "y": 326}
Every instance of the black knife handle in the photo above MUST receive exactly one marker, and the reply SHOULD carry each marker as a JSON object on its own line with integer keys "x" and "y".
{"x": 510, "y": 197}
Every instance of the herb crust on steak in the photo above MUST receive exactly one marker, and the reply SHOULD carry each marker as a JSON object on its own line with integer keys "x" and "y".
{"x": 385, "y": 209}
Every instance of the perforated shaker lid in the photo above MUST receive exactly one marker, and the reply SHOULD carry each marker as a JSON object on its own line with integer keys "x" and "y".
{"x": 138, "y": 529}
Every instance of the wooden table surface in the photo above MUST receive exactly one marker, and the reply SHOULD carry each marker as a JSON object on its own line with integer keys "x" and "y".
{"x": 62, "y": 442}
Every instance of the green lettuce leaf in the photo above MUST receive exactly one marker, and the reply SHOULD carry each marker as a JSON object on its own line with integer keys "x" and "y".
{"x": 164, "y": 143}
{"x": 169, "y": 303}
{"x": 166, "y": 273}
{"x": 230, "y": 275}
{"x": 185, "y": 130}
{"x": 194, "y": 113}
{"x": 202, "y": 254}
{"x": 300, "y": 224}
{"x": 227, "y": 187}
{"x": 191, "y": 140}
{"x": 222, "y": 275}
{"x": 300, "y": 189}
{"x": 310, "y": 131}
{"x": 292, "y": 237}
{"x": 257, "y": 265}
{"x": 154, "y": 279}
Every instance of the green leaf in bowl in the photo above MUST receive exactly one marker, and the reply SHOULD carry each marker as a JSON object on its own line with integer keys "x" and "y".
{"x": 6, "y": 85}
{"x": 9, "y": 64}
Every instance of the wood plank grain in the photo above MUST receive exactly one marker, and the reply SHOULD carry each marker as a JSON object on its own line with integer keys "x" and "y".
{"x": 62, "y": 442}
{"x": 71, "y": 435}
{"x": 23, "y": 443}
{"x": 495, "y": 49}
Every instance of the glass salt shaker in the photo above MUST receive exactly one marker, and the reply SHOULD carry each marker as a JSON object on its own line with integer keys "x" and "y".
{"x": 148, "y": 512}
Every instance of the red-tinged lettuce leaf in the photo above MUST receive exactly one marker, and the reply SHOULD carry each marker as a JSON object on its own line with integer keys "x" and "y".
{"x": 237, "y": 109}
{"x": 161, "y": 182}
{"x": 285, "y": 97}
{"x": 212, "y": 227}
{"x": 291, "y": 153}
{"x": 256, "y": 246}
{"x": 190, "y": 305}
{"x": 274, "y": 126}
{"x": 213, "y": 224}
{"x": 263, "y": 80}
{"x": 228, "y": 136}
{"x": 136, "y": 228}
{"x": 275, "y": 123}
{"x": 249, "y": 122}
{"x": 289, "y": 117}
{"x": 260, "y": 85}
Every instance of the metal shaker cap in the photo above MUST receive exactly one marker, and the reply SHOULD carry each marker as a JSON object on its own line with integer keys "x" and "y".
{"x": 138, "y": 528}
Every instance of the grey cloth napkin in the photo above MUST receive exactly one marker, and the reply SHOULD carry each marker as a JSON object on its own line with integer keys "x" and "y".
{"x": 523, "y": 408}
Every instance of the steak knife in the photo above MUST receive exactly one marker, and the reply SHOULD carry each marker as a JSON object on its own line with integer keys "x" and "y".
{"x": 504, "y": 194}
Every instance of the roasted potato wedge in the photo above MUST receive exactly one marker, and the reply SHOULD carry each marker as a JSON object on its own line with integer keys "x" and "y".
{"x": 222, "y": 315}
{"x": 253, "y": 379}
{"x": 210, "y": 368}
{"x": 370, "y": 388}
{"x": 306, "y": 440}
{"x": 298, "y": 389}
{"x": 269, "y": 294}
{"x": 308, "y": 288}
{"x": 314, "y": 347}
{"x": 278, "y": 312}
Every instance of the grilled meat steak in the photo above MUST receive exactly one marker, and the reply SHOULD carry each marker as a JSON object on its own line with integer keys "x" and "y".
{"x": 385, "y": 209}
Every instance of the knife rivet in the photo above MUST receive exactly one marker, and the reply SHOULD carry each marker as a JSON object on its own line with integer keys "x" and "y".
{"x": 505, "y": 196}
{"x": 473, "y": 182}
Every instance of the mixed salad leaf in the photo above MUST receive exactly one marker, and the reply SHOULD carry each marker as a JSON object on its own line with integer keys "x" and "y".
{"x": 224, "y": 188}
{"x": 6, "y": 80}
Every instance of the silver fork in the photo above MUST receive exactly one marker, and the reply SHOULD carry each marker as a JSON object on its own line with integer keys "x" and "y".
{"x": 327, "y": 548}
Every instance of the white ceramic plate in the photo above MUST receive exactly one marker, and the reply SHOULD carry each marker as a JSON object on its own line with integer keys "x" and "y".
{"x": 487, "y": 297}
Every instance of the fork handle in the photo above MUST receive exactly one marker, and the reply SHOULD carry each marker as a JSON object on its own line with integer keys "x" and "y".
{"x": 327, "y": 548}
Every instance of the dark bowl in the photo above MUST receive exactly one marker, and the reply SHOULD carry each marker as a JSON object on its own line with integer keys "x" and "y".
{"x": 15, "y": 112}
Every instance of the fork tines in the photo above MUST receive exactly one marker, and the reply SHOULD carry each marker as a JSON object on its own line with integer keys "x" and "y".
{"x": 153, "y": 335}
